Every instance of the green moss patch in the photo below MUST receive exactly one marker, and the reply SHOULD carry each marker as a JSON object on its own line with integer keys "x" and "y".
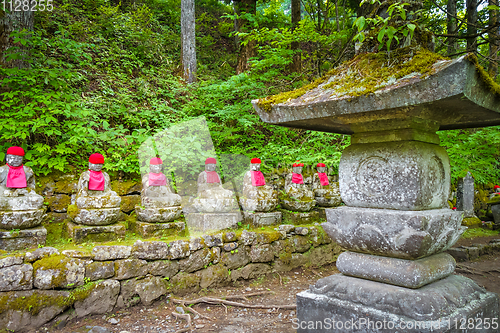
{"x": 479, "y": 232}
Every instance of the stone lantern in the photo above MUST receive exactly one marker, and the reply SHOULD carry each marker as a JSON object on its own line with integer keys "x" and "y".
{"x": 394, "y": 180}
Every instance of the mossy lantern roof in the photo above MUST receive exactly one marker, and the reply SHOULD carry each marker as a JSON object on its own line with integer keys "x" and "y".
{"x": 418, "y": 84}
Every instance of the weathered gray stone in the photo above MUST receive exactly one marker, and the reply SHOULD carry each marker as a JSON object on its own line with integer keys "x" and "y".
{"x": 129, "y": 203}
{"x": 287, "y": 264}
{"x": 344, "y": 298}
{"x": 184, "y": 283}
{"x": 52, "y": 217}
{"x": 400, "y": 272}
{"x": 460, "y": 254}
{"x": 212, "y": 240}
{"x": 78, "y": 254}
{"x": 98, "y": 233}
{"x": 301, "y": 231}
{"x": 393, "y": 233}
{"x": 178, "y": 249}
{"x": 46, "y": 304}
{"x": 148, "y": 230}
{"x": 237, "y": 258}
{"x": 406, "y": 175}
{"x": 129, "y": 268}
{"x": 40, "y": 253}
{"x": 97, "y": 217}
{"x": 158, "y": 215}
{"x": 297, "y": 205}
{"x": 230, "y": 246}
{"x": 229, "y": 237}
{"x": 11, "y": 260}
{"x": 16, "y": 277}
{"x": 250, "y": 271}
{"x": 247, "y": 237}
{"x": 300, "y": 243}
{"x": 150, "y": 250}
{"x": 164, "y": 268}
{"x": 58, "y": 272}
{"x": 212, "y": 221}
{"x": 103, "y": 253}
{"x": 216, "y": 205}
{"x": 217, "y": 254}
{"x": 300, "y": 217}
{"x": 472, "y": 251}
{"x": 148, "y": 289}
{"x": 213, "y": 276}
{"x": 465, "y": 195}
{"x": 261, "y": 253}
{"x": 195, "y": 244}
{"x": 98, "y": 270}
{"x": 197, "y": 260}
{"x": 258, "y": 205}
{"x": 58, "y": 203}
{"x": 22, "y": 239}
{"x": 260, "y": 219}
{"x": 288, "y": 228}
{"x": 101, "y": 299}
{"x": 20, "y": 219}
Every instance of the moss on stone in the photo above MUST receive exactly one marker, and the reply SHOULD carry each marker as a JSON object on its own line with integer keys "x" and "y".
{"x": 483, "y": 75}
{"x": 55, "y": 262}
{"x": 72, "y": 211}
{"x": 33, "y": 303}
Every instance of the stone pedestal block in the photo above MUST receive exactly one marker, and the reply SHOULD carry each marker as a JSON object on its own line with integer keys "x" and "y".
{"x": 327, "y": 202}
{"x": 96, "y": 217}
{"x": 158, "y": 215}
{"x": 84, "y": 234}
{"x": 300, "y": 217}
{"x": 298, "y": 206}
{"x": 212, "y": 221}
{"x": 20, "y": 219}
{"x": 160, "y": 229}
{"x": 260, "y": 219}
{"x": 405, "y": 175}
{"x": 215, "y": 205}
{"x": 400, "y": 272}
{"x": 442, "y": 306}
{"x": 255, "y": 205}
{"x": 22, "y": 239}
{"x": 393, "y": 233}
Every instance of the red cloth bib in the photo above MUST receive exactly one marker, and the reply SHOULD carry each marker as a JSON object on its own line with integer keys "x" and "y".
{"x": 16, "y": 178}
{"x": 96, "y": 181}
{"x": 157, "y": 179}
{"x": 323, "y": 179}
{"x": 297, "y": 178}
{"x": 258, "y": 178}
{"x": 212, "y": 177}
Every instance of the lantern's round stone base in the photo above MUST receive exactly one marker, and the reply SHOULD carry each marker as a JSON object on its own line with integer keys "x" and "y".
{"x": 96, "y": 217}
{"x": 396, "y": 271}
{"x": 147, "y": 230}
{"x": 340, "y": 303}
{"x": 394, "y": 233}
{"x": 255, "y": 205}
{"x": 260, "y": 219}
{"x": 212, "y": 221}
{"x": 300, "y": 217}
{"x": 20, "y": 219}
{"x": 298, "y": 206}
{"x": 22, "y": 239}
{"x": 158, "y": 215}
{"x": 103, "y": 233}
{"x": 215, "y": 205}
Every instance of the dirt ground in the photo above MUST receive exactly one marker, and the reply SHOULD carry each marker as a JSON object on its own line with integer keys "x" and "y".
{"x": 280, "y": 290}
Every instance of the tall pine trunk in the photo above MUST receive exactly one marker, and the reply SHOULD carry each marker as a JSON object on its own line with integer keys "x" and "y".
{"x": 247, "y": 50}
{"x": 451, "y": 26}
{"x": 471, "y": 25}
{"x": 493, "y": 39}
{"x": 188, "y": 43}
{"x": 297, "y": 61}
{"x": 10, "y": 22}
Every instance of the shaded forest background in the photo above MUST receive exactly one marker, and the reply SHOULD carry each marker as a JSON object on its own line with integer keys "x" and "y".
{"x": 103, "y": 76}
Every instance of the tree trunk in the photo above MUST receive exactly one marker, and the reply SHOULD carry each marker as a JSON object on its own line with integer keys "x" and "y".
{"x": 188, "y": 45}
{"x": 246, "y": 51}
{"x": 493, "y": 39}
{"x": 297, "y": 57}
{"x": 451, "y": 26}
{"x": 10, "y": 22}
{"x": 471, "y": 25}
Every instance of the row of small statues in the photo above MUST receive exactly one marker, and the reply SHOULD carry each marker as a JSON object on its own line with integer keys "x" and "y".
{"x": 97, "y": 204}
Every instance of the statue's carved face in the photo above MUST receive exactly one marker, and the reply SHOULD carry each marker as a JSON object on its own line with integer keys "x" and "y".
{"x": 297, "y": 170}
{"x": 155, "y": 168}
{"x": 210, "y": 167}
{"x": 321, "y": 169}
{"x": 497, "y": 190}
{"x": 255, "y": 166}
{"x": 14, "y": 160}
{"x": 95, "y": 167}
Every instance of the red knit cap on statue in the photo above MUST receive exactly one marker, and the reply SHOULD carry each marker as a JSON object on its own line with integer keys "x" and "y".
{"x": 321, "y": 165}
{"x": 14, "y": 150}
{"x": 297, "y": 164}
{"x": 496, "y": 186}
{"x": 255, "y": 160}
{"x": 155, "y": 161}
{"x": 96, "y": 159}
{"x": 211, "y": 160}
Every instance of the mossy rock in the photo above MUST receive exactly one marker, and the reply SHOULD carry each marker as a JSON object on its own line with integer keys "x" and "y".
{"x": 183, "y": 283}
{"x": 126, "y": 187}
{"x": 58, "y": 271}
{"x": 472, "y": 222}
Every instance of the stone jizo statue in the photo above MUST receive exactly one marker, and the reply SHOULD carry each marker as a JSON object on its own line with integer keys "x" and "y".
{"x": 297, "y": 195}
{"x": 257, "y": 196}
{"x": 156, "y": 191}
{"x": 17, "y": 183}
{"x": 325, "y": 193}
